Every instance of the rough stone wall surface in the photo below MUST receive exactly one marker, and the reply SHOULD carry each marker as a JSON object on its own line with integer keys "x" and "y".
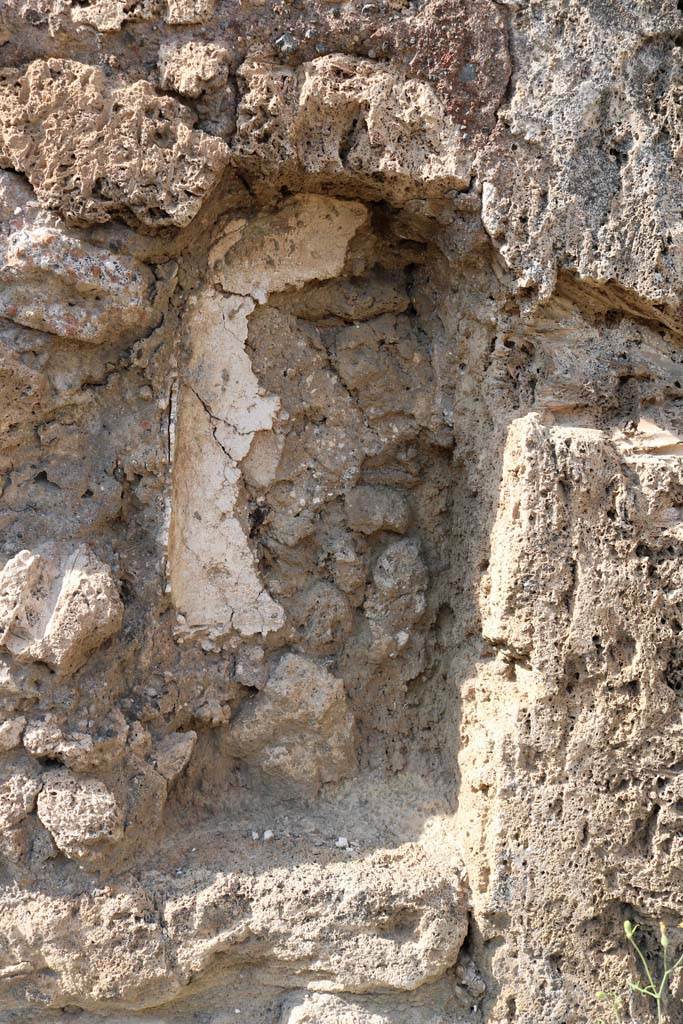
{"x": 341, "y": 508}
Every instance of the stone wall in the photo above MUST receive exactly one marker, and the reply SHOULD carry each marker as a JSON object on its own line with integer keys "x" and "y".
{"x": 341, "y": 510}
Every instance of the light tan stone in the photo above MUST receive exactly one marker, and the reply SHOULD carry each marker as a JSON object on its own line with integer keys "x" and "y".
{"x": 191, "y": 68}
{"x": 80, "y": 813}
{"x": 172, "y": 754}
{"x": 57, "y": 605}
{"x": 307, "y": 239}
{"x": 341, "y": 119}
{"x": 10, "y": 733}
{"x": 94, "y": 151}
{"x": 341, "y": 342}
{"x": 60, "y": 284}
{"x": 299, "y": 728}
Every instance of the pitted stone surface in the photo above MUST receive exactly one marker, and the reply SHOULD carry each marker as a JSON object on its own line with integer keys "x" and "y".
{"x": 92, "y": 150}
{"x": 341, "y": 504}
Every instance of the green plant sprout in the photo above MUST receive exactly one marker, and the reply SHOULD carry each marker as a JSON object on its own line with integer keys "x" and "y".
{"x": 656, "y": 990}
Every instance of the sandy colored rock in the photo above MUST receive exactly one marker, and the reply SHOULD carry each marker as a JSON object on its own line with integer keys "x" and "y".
{"x": 64, "y": 286}
{"x": 57, "y": 606}
{"x": 369, "y": 509}
{"x": 396, "y": 599}
{"x": 433, "y": 1005}
{"x": 222, "y": 913}
{"x": 350, "y": 299}
{"x": 299, "y": 727}
{"x": 325, "y": 618}
{"x": 189, "y": 12}
{"x": 78, "y": 749}
{"x": 339, "y": 119}
{"x": 173, "y": 753}
{"x": 280, "y": 923}
{"x": 190, "y": 69}
{"x": 306, "y": 240}
{"x": 79, "y": 813}
{"x": 136, "y": 153}
{"x": 20, "y": 784}
{"x": 10, "y": 733}
{"x": 625, "y": 231}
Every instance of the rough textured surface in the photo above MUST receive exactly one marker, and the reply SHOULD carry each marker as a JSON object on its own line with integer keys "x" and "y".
{"x": 92, "y": 150}
{"x": 340, "y": 526}
{"x": 56, "y": 607}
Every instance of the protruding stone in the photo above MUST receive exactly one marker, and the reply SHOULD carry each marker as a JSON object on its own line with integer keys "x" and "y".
{"x": 369, "y": 509}
{"x": 57, "y": 605}
{"x": 396, "y": 600}
{"x": 191, "y": 68}
{"x": 306, "y": 240}
{"x": 299, "y": 728}
{"x": 341, "y": 118}
{"x": 95, "y": 150}
{"x": 19, "y": 786}
{"x": 172, "y": 754}
{"x": 189, "y": 12}
{"x": 80, "y": 813}
{"x": 78, "y": 749}
{"x": 52, "y": 282}
{"x": 10, "y": 733}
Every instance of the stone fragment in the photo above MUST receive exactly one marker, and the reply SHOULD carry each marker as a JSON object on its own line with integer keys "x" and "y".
{"x": 80, "y": 813}
{"x": 59, "y": 284}
{"x": 213, "y": 577}
{"x": 94, "y": 150}
{"x": 326, "y": 1008}
{"x": 463, "y": 50}
{"x": 57, "y": 605}
{"x": 400, "y": 569}
{"x": 14, "y": 844}
{"x": 10, "y": 733}
{"x": 558, "y": 604}
{"x": 111, "y": 15}
{"x": 259, "y": 467}
{"x": 77, "y": 749}
{"x": 369, "y": 509}
{"x": 320, "y": 1008}
{"x": 299, "y": 728}
{"x": 189, "y": 12}
{"x": 305, "y": 240}
{"x": 325, "y": 618}
{"x": 144, "y": 791}
{"x": 351, "y": 299}
{"x": 385, "y": 362}
{"x": 172, "y": 754}
{"x": 20, "y": 784}
{"x": 585, "y": 186}
{"x": 139, "y": 740}
{"x": 338, "y": 119}
{"x": 348, "y": 566}
{"x": 105, "y": 945}
{"x": 191, "y": 68}
{"x": 388, "y": 920}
